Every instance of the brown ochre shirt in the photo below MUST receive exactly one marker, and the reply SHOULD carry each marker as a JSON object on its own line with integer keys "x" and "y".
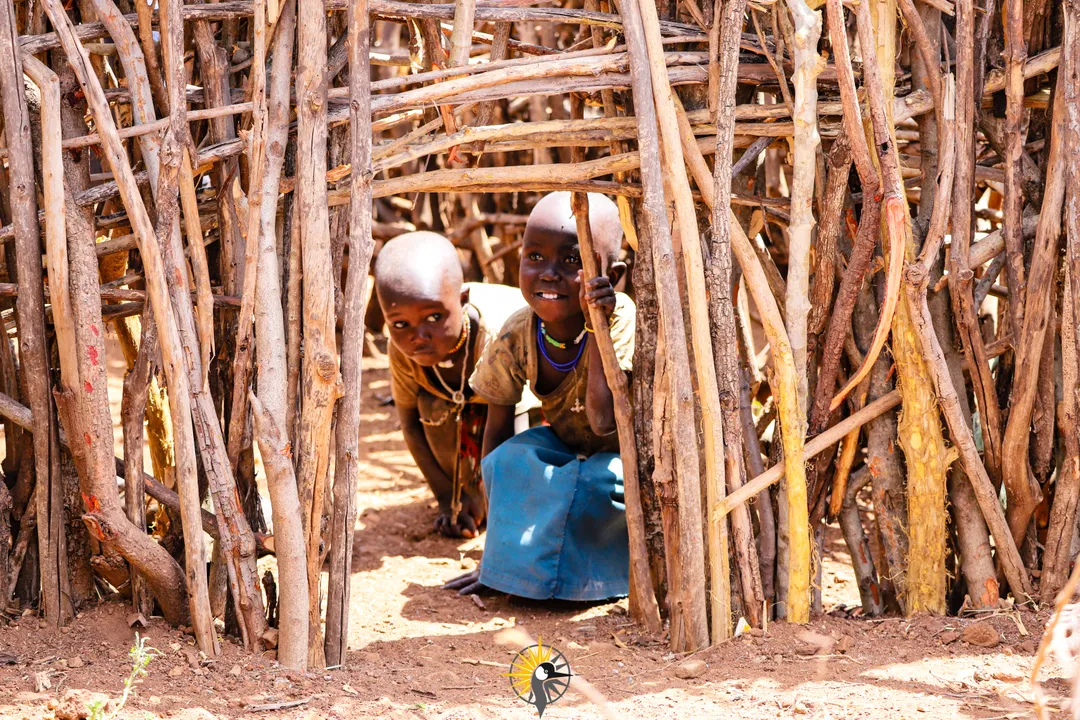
{"x": 512, "y": 360}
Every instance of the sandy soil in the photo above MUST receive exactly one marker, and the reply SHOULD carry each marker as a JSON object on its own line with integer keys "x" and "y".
{"x": 420, "y": 652}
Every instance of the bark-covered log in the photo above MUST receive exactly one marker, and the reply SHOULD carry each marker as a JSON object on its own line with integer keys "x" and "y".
{"x": 30, "y": 310}
{"x": 361, "y": 247}
{"x": 321, "y": 378}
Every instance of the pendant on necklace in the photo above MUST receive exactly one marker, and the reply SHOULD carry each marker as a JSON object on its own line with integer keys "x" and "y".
{"x": 446, "y": 363}
{"x": 578, "y": 407}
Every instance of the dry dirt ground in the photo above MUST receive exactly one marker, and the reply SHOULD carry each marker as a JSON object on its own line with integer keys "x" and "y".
{"x": 417, "y": 651}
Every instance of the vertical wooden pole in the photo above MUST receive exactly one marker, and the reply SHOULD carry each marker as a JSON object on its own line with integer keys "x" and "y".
{"x": 30, "y": 313}
{"x": 67, "y": 223}
{"x": 52, "y": 181}
{"x": 808, "y": 65}
{"x": 361, "y": 247}
{"x": 132, "y": 412}
{"x": 792, "y": 422}
{"x": 686, "y": 588}
{"x": 1023, "y": 495}
{"x": 1063, "y": 511}
{"x": 648, "y": 451}
{"x": 320, "y": 378}
{"x": 919, "y": 428}
{"x": 199, "y": 268}
{"x": 272, "y": 367}
{"x": 729, "y": 22}
{"x": 1015, "y": 54}
{"x": 252, "y": 227}
{"x": 157, "y": 289}
{"x": 145, "y": 13}
{"x": 642, "y": 597}
{"x": 461, "y": 37}
{"x": 6, "y": 575}
{"x": 704, "y": 367}
{"x": 961, "y": 278}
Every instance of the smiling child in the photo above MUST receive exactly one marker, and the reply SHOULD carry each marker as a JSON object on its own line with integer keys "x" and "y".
{"x": 557, "y": 523}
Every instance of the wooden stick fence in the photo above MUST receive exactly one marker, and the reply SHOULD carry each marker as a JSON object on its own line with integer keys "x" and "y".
{"x": 186, "y": 163}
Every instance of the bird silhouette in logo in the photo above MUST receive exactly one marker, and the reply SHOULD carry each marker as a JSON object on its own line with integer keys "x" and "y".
{"x": 539, "y": 675}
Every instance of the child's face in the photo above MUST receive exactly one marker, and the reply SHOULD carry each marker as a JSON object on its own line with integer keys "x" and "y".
{"x": 427, "y": 326}
{"x": 550, "y": 262}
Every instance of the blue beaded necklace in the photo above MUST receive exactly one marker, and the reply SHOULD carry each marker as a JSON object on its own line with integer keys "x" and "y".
{"x": 561, "y": 367}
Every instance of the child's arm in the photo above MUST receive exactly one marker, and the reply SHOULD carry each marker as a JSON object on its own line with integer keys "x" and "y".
{"x": 599, "y": 403}
{"x": 499, "y": 427}
{"x": 442, "y": 486}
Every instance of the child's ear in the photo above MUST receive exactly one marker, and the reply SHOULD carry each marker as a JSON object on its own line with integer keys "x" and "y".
{"x": 615, "y": 271}
{"x": 464, "y": 295}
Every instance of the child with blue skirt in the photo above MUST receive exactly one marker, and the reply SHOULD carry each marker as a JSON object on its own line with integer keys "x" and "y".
{"x": 556, "y": 518}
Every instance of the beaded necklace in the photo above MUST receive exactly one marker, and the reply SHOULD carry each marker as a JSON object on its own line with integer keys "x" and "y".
{"x": 561, "y": 367}
{"x": 458, "y": 398}
{"x": 556, "y": 343}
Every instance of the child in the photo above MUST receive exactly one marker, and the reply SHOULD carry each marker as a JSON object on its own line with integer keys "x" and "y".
{"x": 439, "y": 327}
{"x": 557, "y": 525}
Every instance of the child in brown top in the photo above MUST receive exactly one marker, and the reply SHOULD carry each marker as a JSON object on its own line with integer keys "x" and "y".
{"x": 439, "y": 327}
{"x": 557, "y": 525}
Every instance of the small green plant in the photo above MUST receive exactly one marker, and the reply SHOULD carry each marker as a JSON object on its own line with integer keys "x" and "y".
{"x": 141, "y": 655}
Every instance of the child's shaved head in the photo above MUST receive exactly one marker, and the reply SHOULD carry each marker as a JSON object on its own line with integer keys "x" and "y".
{"x": 418, "y": 264}
{"x": 418, "y": 281}
{"x": 554, "y": 214}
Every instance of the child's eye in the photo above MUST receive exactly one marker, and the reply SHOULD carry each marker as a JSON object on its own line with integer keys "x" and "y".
{"x": 399, "y": 325}
{"x": 433, "y": 318}
{"x": 535, "y": 256}
{"x": 573, "y": 260}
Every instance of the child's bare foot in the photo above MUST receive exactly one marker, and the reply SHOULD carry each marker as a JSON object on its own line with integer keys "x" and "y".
{"x": 467, "y": 584}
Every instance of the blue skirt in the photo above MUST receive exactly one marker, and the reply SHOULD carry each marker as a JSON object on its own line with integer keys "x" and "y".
{"x": 556, "y": 521}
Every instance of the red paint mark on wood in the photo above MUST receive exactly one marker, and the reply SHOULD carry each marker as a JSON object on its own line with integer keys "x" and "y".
{"x": 88, "y": 439}
{"x": 92, "y": 503}
{"x": 990, "y": 597}
{"x": 93, "y": 353}
{"x": 89, "y": 388}
{"x": 852, "y": 223}
{"x": 94, "y": 329}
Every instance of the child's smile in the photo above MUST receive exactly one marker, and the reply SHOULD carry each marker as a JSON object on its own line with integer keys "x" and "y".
{"x": 550, "y": 296}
